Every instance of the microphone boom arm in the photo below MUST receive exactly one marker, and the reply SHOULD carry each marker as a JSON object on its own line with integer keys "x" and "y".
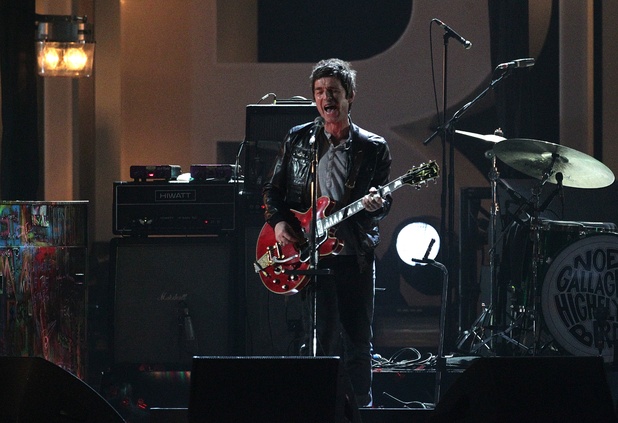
{"x": 459, "y": 113}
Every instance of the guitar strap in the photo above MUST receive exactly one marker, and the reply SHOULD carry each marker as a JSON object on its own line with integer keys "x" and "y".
{"x": 351, "y": 183}
{"x": 356, "y": 163}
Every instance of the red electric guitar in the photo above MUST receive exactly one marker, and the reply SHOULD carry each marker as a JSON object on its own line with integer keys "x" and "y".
{"x": 279, "y": 266}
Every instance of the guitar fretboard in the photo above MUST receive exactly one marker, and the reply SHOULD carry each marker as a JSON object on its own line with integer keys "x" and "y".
{"x": 351, "y": 209}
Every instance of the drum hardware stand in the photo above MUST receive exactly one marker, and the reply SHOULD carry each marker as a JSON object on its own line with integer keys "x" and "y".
{"x": 507, "y": 335}
{"x": 488, "y": 318}
{"x": 481, "y": 343}
{"x": 494, "y": 175}
{"x": 477, "y": 333}
{"x": 536, "y": 254}
{"x": 486, "y": 328}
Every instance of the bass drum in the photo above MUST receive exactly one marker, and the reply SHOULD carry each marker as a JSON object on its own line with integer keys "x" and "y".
{"x": 554, "y": 236}
{"x": 580, "y": 281}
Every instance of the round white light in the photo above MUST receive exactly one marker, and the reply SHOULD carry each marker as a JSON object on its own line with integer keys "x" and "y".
{"x": 414, "y": 241}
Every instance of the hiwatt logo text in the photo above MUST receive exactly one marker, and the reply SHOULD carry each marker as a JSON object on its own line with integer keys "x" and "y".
{"x": 175, "y": 195}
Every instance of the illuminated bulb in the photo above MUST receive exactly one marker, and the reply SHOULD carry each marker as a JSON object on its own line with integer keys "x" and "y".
{"x": 51, "y": 58}
{"x": 75, "y": 59}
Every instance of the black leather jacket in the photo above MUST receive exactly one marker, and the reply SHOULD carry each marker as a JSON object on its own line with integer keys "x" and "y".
{"x": 288, "y": 185}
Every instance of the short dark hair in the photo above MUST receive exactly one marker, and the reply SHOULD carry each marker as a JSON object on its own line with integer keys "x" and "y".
{"x": 337, "y": 68}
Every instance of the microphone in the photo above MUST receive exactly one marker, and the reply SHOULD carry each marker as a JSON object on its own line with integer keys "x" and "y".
{"x": 317, "y": 124}
{"x": 450, "y": 32}
{"x": 518, "y": 63}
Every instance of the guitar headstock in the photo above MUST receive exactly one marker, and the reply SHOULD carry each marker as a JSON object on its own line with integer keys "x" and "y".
{"x": 421, "y": 174}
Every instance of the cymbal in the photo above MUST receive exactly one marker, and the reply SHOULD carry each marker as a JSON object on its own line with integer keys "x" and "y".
{"x": 534, "y": 158}
{"x": 489, "y": 137}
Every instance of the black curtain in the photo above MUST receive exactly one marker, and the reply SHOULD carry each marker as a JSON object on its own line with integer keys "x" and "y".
{"x": 527, "y": 100}
{"x": 509, "y": 41}
{"x": 19, "y": 164}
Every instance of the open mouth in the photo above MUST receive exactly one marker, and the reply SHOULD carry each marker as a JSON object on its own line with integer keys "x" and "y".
{"x": 330, "y": 108}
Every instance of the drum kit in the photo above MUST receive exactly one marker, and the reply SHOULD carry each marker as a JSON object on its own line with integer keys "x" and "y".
{"x": 553, "y": 283}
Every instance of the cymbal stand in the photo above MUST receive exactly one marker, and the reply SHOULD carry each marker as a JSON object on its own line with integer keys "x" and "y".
{"x": 495, "y": 315}
{"x": 505, "y": 334}
{"x": 536, "y": 252}
{"x": 489, "y": 318}
{"x": 475, "y": 337}
{"x": 494, "y": 175}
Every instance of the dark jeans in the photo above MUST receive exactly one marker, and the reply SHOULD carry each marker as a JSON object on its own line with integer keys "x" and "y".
{"x": 345, "y": 305}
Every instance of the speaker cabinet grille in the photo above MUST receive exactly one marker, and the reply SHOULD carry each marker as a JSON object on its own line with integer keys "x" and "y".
{"x": 174, "y": 298}
{"x": 266, "y": 126}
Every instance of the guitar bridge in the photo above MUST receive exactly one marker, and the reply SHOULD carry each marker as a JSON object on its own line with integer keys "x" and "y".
{"x": 274, "y": 253}
{"x": 272, "y": 257}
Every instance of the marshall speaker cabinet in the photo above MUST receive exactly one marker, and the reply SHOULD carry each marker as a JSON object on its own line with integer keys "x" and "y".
{"x": 174, "y": 297}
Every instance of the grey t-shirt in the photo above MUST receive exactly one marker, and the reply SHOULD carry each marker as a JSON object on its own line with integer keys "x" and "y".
{"x": 332, "y": 175}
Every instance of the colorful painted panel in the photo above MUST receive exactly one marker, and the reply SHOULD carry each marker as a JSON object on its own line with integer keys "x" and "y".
{"x": 43, "y": 289}
{"x": 43, "y": 223}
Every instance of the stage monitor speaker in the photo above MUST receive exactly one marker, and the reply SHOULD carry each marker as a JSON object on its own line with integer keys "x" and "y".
{"x": 174, "y": 298}
{"x": 266, "y": 126}
{"x": 529, "y": 389}
{"x": 36, "y": 390}
{"x": 270, "y": 389}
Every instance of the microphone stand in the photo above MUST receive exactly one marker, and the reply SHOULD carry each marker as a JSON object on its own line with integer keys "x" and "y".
{"x": 315, "y": 255}
{"x": 446, "y": 129}
{"x": 441, "y": 360}
{"x": 449, "y": 126}
{"x": 312, "y": 270}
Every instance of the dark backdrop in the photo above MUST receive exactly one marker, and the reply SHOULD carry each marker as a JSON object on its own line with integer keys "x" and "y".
{"x": 19, "y": 165}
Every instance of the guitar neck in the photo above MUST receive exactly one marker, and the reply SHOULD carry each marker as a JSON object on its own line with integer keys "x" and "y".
{"x": 355, "y": 207}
